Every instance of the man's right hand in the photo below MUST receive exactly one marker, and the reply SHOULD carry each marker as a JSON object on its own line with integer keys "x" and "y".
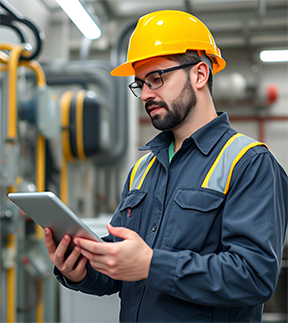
{"x": 66, "y": 266}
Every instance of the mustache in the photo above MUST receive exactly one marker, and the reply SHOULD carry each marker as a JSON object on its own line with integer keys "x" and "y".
{"x": 158, "y": 103}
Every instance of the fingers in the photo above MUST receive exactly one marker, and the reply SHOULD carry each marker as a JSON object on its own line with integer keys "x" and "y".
{"x": 57, "y": 254}
{"x": 120, "y": 232}
{"x": 101, "y": 263}
{"x": 73, "y": 272}
{"x": 97, "y": 248}
{"x": 80, "y": 268}
{"x": 49, "y": 242}
{"x": 67, "y": 266}
{"x": 87, "y": 254}
{"x": 62, "y": 248}
{"x": 74, "y": 266}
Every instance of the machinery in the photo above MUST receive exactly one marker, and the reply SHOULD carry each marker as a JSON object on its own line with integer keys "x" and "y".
{"x": 71, "y": 128}
{"x": 52, "y": 122}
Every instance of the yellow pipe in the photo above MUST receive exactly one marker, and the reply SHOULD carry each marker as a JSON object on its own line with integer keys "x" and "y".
{"x": 40, "y": 178}
{"x": 36, "y": 67}
{"x": 12, "y": 63}
{"x": 11, "y": 295}
{"x": 79, "y": 124}
{"x": 12, "y": 112}
{"x": 65, "y": 109}
{"x": 3, "y": 68}
{"x": 67, "y": 154}
{"x": 64, "y": 179}
{"x": 7, "y": 46}
{"x": 4, "y": 58}
{"x": 11, "y": 272}
{"x": 40, "y": 172}
{"x": 11, "y": 47}
{"x": 40, "y": 307}
{"x": 40, "y": 184}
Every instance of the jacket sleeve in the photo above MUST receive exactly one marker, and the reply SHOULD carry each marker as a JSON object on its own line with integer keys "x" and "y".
{"x": 254, "y": 223}
{"x": 94, "y": 283}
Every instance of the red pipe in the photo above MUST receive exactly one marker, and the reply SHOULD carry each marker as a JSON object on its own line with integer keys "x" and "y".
{"x": 261, "y": 122}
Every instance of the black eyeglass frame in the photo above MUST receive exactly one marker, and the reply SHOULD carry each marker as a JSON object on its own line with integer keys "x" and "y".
{"x": 160, "y": 72}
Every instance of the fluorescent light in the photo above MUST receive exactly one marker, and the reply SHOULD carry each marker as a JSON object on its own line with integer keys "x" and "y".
{"x": 81, "y": 18}
{"x": 274, "y": 55}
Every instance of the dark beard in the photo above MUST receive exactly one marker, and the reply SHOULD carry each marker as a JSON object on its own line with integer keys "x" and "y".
{"x": 181, "y": 107}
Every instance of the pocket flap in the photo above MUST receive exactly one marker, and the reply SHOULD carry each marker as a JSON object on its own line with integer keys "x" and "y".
{"x": 199, "y": 199}
{"x": 133, "y": 199}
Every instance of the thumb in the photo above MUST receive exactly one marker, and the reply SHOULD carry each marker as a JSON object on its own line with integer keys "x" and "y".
{"x": 120, "y": 232}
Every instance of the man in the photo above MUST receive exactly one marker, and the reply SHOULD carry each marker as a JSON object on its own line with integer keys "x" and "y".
{"x": 198, "y": 234}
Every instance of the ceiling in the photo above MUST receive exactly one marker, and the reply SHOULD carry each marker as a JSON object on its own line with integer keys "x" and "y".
{"x": 234, "y": 23}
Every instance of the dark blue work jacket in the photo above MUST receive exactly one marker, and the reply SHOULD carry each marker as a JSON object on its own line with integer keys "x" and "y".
{"x": 216, "y": 255}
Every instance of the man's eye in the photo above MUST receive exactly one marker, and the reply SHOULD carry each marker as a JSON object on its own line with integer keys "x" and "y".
{"x": 154, "y": 79}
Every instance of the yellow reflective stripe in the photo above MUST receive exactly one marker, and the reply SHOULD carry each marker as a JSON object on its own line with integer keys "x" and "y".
{"x": 228, "y": 143}
{"x": 146, "y": 171}
{"x": 238, "y": 157}
{"x": 79, "y": 124}
{"x": 135, "y": 170}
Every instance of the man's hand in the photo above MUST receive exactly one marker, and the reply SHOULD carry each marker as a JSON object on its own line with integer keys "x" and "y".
{"x": 128, "y": 260}
{"x": 65, "y": 266}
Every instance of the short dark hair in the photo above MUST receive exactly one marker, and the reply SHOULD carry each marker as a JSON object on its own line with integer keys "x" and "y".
{"x": 191, "y": 56}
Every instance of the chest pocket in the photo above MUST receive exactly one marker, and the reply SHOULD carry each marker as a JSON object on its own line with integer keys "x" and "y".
{"x": 193, "y": 215}
{"x": 131, "y": 210}
{"x": 132, "y": 207}
{"x": 195, "y": 219}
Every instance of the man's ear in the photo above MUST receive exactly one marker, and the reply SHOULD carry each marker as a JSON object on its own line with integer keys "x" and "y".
{"x": 202, "y": 75}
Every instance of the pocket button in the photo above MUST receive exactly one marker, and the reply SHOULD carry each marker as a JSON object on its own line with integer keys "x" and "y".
{"x": 154, "y": 228}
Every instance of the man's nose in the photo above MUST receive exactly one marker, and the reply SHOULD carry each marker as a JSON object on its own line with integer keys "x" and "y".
{"x": 147, "y": 93}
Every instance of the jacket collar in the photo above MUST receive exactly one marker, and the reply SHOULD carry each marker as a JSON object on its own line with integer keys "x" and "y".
{"x": 205, "y": 138}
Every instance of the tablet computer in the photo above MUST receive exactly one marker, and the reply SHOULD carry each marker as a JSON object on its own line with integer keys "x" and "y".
{"x": 48, "y": 210}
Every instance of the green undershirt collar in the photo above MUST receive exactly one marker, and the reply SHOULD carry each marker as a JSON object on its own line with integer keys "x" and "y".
{"x": 171, "y": 152}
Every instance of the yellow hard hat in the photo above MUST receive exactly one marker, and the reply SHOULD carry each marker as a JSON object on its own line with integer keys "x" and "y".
{"x": 168, "y": 32}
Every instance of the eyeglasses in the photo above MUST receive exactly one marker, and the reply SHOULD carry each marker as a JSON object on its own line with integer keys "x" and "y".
{"x": 154, "y": 79}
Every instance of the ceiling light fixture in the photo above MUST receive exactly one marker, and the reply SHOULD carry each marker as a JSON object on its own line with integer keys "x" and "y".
{"x": 81, "y": 18}
{"x": 272, "y": 56}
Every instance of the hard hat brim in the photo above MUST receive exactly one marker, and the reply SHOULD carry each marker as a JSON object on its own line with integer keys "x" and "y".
{"x": 127, "y": 69}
